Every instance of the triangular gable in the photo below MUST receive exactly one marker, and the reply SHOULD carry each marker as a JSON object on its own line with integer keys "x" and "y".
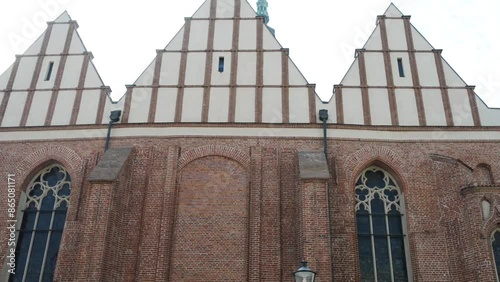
{"x": 296, "y": 76}
{"x": 176, "y": 42}
{"x": 389, "y": 85}
{"x": 452, "y": 77}
{"x": 77, "y": 45}
{"x": 57, "y": 38}
{"x": 246, "y": 10}
{"x": 93, "y": 78}
{"x": 146, "y": 77}
{"x": 489, "y": 116}
{"x": 56, "y": 45}
{"x": 4, "y": 77}
{"x": 419, "y": 41}
{"x": 225, "y": 9}
{"x": 68, "y": 89}
{"x": 393, "y": 12}
{"x": 203, "y": 12}
{"x": 352, "y": 75}
{"x": 270, "y": 42}
{"x": 374, "y": 42}
{"x": 63, "y": 18}
{"x": 34, "y": 49}
{"x": 202, "y": 78}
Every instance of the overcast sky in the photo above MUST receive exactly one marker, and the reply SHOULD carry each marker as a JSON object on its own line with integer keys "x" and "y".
{"x": 321, "y": 34}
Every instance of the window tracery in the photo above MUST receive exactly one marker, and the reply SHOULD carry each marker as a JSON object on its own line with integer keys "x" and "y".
{"x": 380, "y": 227}
{"x": 44, "y": 215}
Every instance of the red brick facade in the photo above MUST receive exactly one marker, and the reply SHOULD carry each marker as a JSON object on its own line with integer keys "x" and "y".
{"x": 220, "y": 175}
{"x": 232, "y": 209}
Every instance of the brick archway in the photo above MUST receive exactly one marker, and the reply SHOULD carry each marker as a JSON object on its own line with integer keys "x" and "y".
{"x": 61, "y": 154}
{"x": 74, "y": 164}
{"x": 374, "y": 155}
{"x": 214, "y": 150}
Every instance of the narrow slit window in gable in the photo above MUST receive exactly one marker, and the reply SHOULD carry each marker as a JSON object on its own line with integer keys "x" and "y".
{"x": 49, "y": 71}
{"x": 400, "y": 67}
{"x": 221, "y": 64}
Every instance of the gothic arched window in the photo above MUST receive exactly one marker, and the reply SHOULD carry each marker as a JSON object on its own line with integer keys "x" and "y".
{"x": 380, "y": 227}
{"x": 44, "y": 215}
{"x": 495, "y": 246}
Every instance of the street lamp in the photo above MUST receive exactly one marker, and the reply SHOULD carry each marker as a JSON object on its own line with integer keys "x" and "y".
{"x": 304, "y": 273}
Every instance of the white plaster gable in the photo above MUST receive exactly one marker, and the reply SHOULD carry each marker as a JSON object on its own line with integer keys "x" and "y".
{"x": 270, "y": 42}
{"x": 419, "y": 42}
{"x": 176, "y": 42}
{"x": 55, "y": 48}
{"x": 488, "y": 116}
{"x": 4, "y": 78}
{"x": 111, "y": 106}
{"x": 246, "y": 10}
{"x": 63, "y": 18}
{"x": 452, "y": 78}
{"x": 295, "y": 76}
{"x": 93, "y": 79}
{"x": 330, "y": 106}
{"x": 374, "y": 42}
{"x": 43, "y": 70}
{"x": 57, "y": 38}
{"x": 34, "y": 49}
{"x": 203, "y": 11}
{"x": 430, "y": 67}
{"x": 77, "y": 45}
{"x": 393, "y": 11}
{"x": 200, "y": 70}
{"x": 146, "y": 77}
{"x": 351, "y": 78}
{"x": 225, "y": 9}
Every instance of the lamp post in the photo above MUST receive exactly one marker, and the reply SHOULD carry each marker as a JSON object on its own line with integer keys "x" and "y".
{"x": 304, "y": 273}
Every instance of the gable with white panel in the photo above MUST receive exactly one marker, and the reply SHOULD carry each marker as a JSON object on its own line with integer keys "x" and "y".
{"x": 221, "y": 68}
{"x": 225, "y": 66}
{"x": 54, "y": 82}
{"x": 421, "y": 88}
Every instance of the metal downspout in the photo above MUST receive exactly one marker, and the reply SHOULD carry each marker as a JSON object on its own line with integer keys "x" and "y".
{"x": 323, "y": 116}
{"x": 114, "y": 117}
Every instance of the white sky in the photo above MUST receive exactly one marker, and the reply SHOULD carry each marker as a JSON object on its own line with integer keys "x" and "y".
{"x": 321, "y": 34}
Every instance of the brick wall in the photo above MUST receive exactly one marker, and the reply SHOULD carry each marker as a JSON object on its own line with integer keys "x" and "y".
{"x": 247, "y": 193}
{"x": 211, "y": 222}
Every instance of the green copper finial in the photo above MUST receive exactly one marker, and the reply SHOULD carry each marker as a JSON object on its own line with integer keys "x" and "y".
{"x": 262, "y": 10}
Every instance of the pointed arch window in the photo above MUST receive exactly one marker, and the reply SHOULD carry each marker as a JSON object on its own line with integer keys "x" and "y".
{"x": 382, "y": 241}
{"x": 495, "y": 246}
{"x": 44, "y": 214}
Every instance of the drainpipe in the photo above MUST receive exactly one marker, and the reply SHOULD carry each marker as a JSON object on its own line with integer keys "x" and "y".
{"x": 114, "y": 117}
{"x": 323, "y": 116}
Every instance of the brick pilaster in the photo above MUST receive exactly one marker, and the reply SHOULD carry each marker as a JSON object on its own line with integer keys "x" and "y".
{"x": 314, "y": 235}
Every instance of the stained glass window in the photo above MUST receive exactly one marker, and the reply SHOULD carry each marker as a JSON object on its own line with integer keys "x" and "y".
{"x": 381, "y": 236}
{"x": 44, "y": 216}
{"x": 495, "y": 245}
